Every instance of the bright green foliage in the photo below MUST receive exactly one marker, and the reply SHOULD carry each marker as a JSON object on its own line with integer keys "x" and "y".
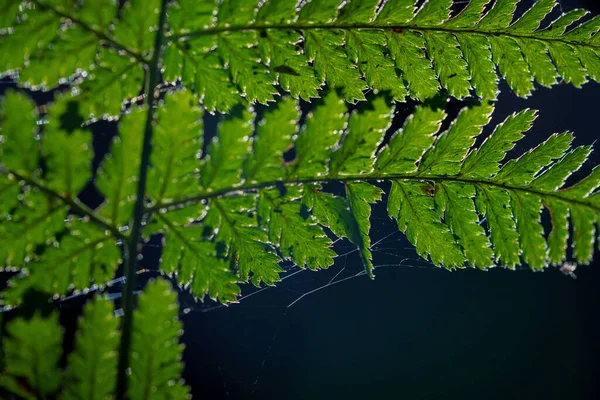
{"x": 191, "y": 259}
{"x": 33, "y": 348}
{"x": 232, "y": 52}
{"x": 85, "y": 255}
{"x": 271, "y": 141}
{"x": 233, "y": 222}
{"x": 176, "y": 154}
{"x": 91, "y": 367}
{"x": 454, "y": 201}
{"x": 49, "y": 42}
{"x": 318, "y": 136}
{"x": 360, "y": 196}
{"x": 156, "y": 352}
{"x": 243, "y": 209}
{"x": 363, "y": 136}
{"x": 117, "y": 176}
{"x": 412, "y": 205}
{"x": 358, "y": 44}
{"x": 231, "y": 207}
{"x": 459, "y": 204}
{"x": 77, "y": 253}
{"x": 407, "y": 146}
{"x": 298, "y": 236}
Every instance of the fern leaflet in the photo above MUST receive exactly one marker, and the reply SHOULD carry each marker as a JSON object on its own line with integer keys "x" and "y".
{"x": 33, "y": 349}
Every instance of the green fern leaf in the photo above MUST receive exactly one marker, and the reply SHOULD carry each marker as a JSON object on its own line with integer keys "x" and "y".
{"x": 443, "y": 189}
{"x": 56, "y": 42}
{"x": 406, "y": 49}
{"x": 396, "y": 12}
{"x": 333, "y": 65}
{"x": 484, "y": 162}
{"x": 354, "y": 45}
{"x": 36, "y": 220}
{"x": 177, "y": 140}
{"x": 231, "y": 52}
{"x": 156, "y": 352}
{"x": 227, "y": 152}
{"x": 365, "y": 132}
{"x": 524, "y": 169}
{"x": 234, "y": 224}
{"x": 342, "y": 216}
{"x": 318, "y": 136}
{"x": 20, "y": 151}
{"x": 451, "y": 147}
{"x": 454, "y": 200}
{"x": 408, "y": 145}
{"x": 494, "y": 204}
{"x": 91, "y": 367}
{"x": 32, "y": 350}
{"x": 298, "y": 236}
{"x": 114, "y": 80}
{"x": 68, "y": 155}
{"x": 85, "y": 255}
{"x": 138, "y": 21}
{"x": 360, "y": 196}
{"x": 36, "y": 203}
{"x": 273, "y": 138}
{"x": 192, "y": 260}
{"x": 531, "y": 20}
{"x": 117, "y": 176}
{"x": 411, "y": 204}
{"x": 556, "y": 176}
{"x": 433, "y": 13}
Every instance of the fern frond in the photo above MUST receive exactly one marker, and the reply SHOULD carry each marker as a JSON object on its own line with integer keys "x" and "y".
{"x": 33, "y": 348}
{"x": 239, "y": 51}
{"x": 91, "y": 367}
{"x": 458, "y": 203}
{"x": 84, "y": 255}
{"x": 43, "y": 172}
{"x": 156, "y": 352}
{"x": 193, "y": 261}
{"x": 390, "y": 47}
{"x": 118, "y": 173}
{"x": 298, "y": 236}
{"x": 52, "y": 42}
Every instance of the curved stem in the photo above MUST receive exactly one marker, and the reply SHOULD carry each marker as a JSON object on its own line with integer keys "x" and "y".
{"x": 138, "y": 212}
{"x": 371, "y": 26}
{"x": 367, "y": 177}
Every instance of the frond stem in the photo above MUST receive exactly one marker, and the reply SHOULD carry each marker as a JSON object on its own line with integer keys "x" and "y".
{"x": 367, "y": 177}
{"x": 101, "y": 35}
{"x": 138, "y": 212}
{"x": 368, "y": 26}
{"x": 75, "y": 204}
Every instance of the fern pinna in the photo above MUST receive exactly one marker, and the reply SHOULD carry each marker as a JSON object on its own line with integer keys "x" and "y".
{"x": 242, "y": 197}
{"x": 232, "y": 209}
{"x": 224, "y": 50}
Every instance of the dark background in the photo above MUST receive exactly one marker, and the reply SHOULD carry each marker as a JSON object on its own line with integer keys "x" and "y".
{"x": 416, "y": 331}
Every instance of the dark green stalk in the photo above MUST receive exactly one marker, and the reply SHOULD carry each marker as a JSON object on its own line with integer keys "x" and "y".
{"x": 371, "y": 26}
{"x": 558, "y": 194}
{"x": 138, "y": 212}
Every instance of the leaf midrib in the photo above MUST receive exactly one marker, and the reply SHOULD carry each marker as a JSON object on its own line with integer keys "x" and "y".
{"x": 371, "y": 177}
{"x": 373, "y": 26}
